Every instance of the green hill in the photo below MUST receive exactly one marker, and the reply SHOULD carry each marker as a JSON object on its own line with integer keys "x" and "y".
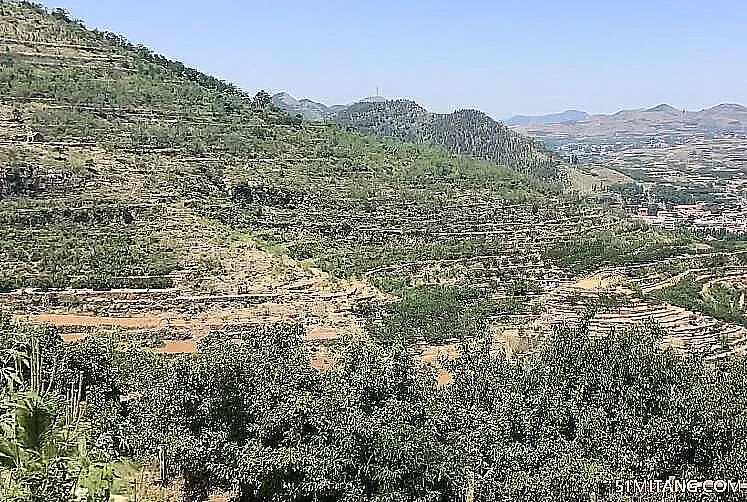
{"x": 122, "y": 169}
{"x": 468, "y": 132}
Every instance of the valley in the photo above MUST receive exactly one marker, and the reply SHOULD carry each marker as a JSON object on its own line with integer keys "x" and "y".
{"x": 671, "y": 158}
{"x": 363, "y": 302}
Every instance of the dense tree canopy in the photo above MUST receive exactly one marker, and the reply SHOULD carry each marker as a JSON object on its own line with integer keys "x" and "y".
{"x": 251, "y": 415}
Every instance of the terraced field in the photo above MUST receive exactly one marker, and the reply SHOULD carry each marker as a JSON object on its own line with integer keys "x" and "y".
{"x": 610, "y": 301}
{"x": 140, "y": 194}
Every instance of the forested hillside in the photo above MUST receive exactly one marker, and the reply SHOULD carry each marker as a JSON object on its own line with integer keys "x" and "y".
{"x": 124, "y": 170}
{"x": 468, "y": 132}
{"x": 203, "y": 295}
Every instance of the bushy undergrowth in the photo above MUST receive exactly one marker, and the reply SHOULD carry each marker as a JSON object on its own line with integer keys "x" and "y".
{"x": 434, "y": 313}
{"x": 719, "y": 301}
{"x": 628, "y": 243}
{"x": 51, "y": 256}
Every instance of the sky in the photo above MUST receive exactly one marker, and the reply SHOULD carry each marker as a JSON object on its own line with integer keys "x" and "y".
{"x": 503, "y": 57}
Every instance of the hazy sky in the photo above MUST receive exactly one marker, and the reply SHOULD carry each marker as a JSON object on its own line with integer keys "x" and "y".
{"x": 504, "y": 57}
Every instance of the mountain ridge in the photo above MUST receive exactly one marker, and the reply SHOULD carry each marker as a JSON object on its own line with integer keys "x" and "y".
{"x": 314, "y": 110}
{"x": 549, "y": 118}
{"x": 464, "y": 132}
{"x": 641, "y": 123}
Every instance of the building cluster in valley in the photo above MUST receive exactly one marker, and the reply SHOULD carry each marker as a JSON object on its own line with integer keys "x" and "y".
{"x": 697, "y": 217}
{"x": 696, "y": 183}
{"x": 702, "y": 202}
{"x": 684, "y": 169}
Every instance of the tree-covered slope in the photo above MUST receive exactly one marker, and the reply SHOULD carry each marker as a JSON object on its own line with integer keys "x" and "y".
{"x": 468, "y": 132}
{"x": 121, "y": 169}
{"x": 109, "y": 142}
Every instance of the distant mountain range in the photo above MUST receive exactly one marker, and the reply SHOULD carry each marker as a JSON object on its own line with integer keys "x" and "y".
{"x": 474, "y": 133}
{"x": 312, "y": 110}
{"x": 657, "y": 121}
{"x": 552, "y": 118}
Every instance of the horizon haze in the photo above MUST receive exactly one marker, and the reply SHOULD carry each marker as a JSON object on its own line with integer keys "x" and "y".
{"x": 522, "y": 58}
{"x": 289, "y": 102}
